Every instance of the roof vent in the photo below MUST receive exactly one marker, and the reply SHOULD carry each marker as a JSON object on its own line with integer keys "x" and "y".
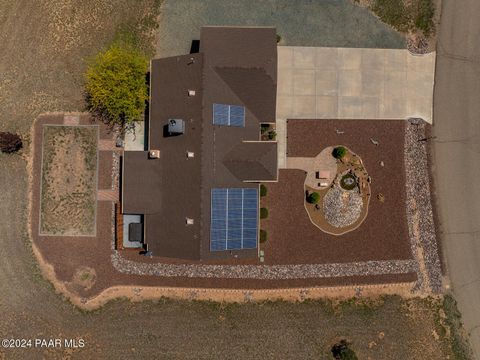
{"x": 176, "y": 126}
{"x": 191, "y": 92}
{"x": 189, "y": 221}
{"x": 154, "y": 154}
{"x": 190, "y": 154}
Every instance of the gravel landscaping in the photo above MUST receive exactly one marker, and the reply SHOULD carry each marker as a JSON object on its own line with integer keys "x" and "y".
{"x": 419, "y": 207}
{"x": 264, "y": 272}
{"x": 342, "y": 208}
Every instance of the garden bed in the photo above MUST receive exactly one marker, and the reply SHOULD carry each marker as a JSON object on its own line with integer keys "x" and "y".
{"x": 69, "y": 180}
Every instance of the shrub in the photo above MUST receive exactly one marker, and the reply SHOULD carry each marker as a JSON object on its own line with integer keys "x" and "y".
{"x": 263, "y": 213}
{"x": 394, "y": 13}
{"x": 263, "y": 190}
{"x": 279, "y": 38}
{"x": 424, "y": 16}
{"x": 115, "y": 84}
{"x": 10, "y": 143}
{"x": 339, "y": 152}
{"x": 263, "y": 236}
{"x": 313, "y": 198}
{"x": 342, "y": 351}
{"x": 272, "y": 135}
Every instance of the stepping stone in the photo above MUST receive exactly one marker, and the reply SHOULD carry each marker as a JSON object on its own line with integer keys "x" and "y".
{"x": 108, "y": 195}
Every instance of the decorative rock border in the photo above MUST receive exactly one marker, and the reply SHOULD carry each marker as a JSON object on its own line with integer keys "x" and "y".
{"x": 419, "y": 208}
{"x": 264, "y": 272}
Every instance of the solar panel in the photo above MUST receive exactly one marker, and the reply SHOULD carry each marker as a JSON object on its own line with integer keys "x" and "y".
{"x": 228, "y": 115}
{"x": 234, "y": 219}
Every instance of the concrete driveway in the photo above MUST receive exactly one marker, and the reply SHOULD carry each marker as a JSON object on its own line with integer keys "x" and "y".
{"x": 347, "y": 83}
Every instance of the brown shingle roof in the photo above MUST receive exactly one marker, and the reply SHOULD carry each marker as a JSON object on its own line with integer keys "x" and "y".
{"x": 236, "y": 66}
{"x": 253, "y": 161}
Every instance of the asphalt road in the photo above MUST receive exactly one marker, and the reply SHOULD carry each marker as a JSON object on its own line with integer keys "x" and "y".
{"x": 456, "y": 154}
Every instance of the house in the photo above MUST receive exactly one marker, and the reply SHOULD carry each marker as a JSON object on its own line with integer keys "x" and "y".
{"x": 196, "y": 188}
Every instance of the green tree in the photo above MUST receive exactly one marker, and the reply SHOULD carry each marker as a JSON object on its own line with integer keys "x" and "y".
{"x": 339, "y": 152}
{"x": 313, "y": 198}
{"x": 115, "y": 84}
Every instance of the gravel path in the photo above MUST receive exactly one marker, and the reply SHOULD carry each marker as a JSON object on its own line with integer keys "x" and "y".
{"x": 419, "y": 208}
{"x": 265, "y": 272}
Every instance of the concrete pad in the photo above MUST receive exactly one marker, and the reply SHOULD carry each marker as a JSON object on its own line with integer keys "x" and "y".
{"x": 285, "y": 53}
{"x": 281, "y": 129}
{"x": 370, "y": 108}
{"x": 326, "y": 82}
{"x": 372, "y": 83}
{"x": 284, "y": 106}
{"x": 327, "y": 58}
{"x": 326, "y": 107}
{"x": 350, "y": 83}
{"x": 285, "y": 81}
{"x": 373, "y": 59}
{"x": 303, "y": 82}
{"x": 304, "y": 107}
{"x": 349, "y": 107}
{"x": 354, "y": 83}
{"x": 304, "y": 57}
{"x": 395, "y": 59}
{"x": 349, "y": 59}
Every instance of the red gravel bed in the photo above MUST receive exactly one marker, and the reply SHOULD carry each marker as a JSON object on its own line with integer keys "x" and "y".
{"x": 68, "y": 254}
{"x": 293, "y": 239}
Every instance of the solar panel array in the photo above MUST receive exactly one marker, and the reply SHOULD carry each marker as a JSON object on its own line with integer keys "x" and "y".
{"x": 234, "y": 220}
{"x": 228, "y": 115}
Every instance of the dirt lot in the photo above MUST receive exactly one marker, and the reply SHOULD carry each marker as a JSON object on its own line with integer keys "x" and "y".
{"x": 69, "y": 180}
{"x": 44, "y": 44}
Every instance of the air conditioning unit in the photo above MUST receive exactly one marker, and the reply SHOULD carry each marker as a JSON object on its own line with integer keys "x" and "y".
{"x": 190, "y": 154}
{"x": 189, "y": 221}
{"x": 154, "y": 154}
{"x": 176, "y": 126}
{"x": 191, "y": 92}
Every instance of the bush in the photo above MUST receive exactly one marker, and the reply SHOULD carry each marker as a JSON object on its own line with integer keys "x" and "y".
{"x": 10, "y": 143}
{"x": 263, "y": 236}
{"x": 263, "y": 190}
{"x": 313, "y": 198}
{"x": 115, "y": 84}
{"x": 424, "y": 16}
{"x": 279, "y": 38}
{"x": 342, "y": 351}
{"x": 394, "y": 13}
{"x": 263, "y": 213}
{"x": 272, "y": 135}
{"x": 339, "y": 152}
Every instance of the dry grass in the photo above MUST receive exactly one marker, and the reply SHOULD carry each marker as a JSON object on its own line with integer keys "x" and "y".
{"x": 69, "y": 180}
